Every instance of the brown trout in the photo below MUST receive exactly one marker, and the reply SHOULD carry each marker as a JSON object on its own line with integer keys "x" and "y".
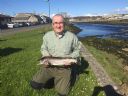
{"x": 57, "y": 61}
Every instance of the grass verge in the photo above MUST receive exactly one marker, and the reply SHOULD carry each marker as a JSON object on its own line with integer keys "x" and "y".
{"x": 19, "y": 54}
{"x": 106, "y": 54}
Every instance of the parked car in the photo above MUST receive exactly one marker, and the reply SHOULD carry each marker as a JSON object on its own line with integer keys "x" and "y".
{"x": 28, "y": 23}
{"x": 3, "y": 26}
{"x": 22, "y": 24}
{"x": 13, "y": 25}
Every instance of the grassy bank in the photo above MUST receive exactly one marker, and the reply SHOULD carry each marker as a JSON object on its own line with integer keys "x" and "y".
{"x": 19, "y": 54}
{"x": 110, "y": 54}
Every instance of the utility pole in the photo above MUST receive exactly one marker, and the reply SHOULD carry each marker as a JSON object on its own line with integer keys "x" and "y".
{"x": 48, "y": 10}
{"x": 49, "y": 7}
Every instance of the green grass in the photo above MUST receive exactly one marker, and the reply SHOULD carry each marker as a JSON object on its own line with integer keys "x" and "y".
{"x": 19, "y": 54}
{"x": 85, "y": 85}
{"x": 111, "y": 63}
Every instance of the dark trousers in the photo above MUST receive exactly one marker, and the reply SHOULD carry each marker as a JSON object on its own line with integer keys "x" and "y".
{"x": 62, "y": 79}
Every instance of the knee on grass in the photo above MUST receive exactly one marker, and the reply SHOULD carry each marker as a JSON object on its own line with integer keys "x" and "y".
{"x": 36, "y": 85}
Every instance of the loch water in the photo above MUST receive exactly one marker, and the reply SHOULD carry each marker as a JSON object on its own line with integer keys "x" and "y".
{"x": 103, "y": 30}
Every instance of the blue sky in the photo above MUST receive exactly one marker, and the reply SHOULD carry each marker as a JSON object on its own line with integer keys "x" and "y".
{"x": 72, "y": 7}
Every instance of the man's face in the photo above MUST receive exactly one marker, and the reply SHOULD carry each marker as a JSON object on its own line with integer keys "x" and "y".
{"x": 58, "y": 24}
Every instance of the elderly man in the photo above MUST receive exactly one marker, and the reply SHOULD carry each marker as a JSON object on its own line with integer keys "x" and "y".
{"x": 57, "y": 43}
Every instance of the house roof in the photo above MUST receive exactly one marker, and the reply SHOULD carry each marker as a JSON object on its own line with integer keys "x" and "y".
{"x": 38, "y": 17}
{"x": 4, "y": 16}
{"x": 24, "y": 14}
{"x": 24, "y": 17}
{"x": 21, "y": 18}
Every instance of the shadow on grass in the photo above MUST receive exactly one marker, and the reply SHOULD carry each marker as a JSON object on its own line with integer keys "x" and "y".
{"x": 8, "y": 51}
{"x": 108, "y": 89}
{"x": 84, "y": 65}
{"x": 79, "y": 69}
{"x": 2, "y": 40}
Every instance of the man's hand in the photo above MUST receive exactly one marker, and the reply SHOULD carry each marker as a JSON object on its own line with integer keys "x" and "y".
{"x": 46, "y": 63}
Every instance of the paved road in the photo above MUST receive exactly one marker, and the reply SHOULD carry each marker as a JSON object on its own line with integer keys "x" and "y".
{"x": 20, "y": 29}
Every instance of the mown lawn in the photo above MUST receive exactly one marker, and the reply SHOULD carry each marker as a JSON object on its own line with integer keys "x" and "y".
{"x": 19, "y": 54}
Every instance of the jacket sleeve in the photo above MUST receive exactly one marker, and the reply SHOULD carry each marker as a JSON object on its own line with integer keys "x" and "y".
{"x": 44, "y": 47}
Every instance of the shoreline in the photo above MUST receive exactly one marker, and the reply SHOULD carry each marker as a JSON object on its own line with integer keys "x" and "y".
{"x": 125, "y": 24}
{"x": 74, "y": 29}
{"x": 105, "y": 22}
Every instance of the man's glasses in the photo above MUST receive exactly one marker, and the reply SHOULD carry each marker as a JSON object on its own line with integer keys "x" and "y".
{"x": 60, "y": 23}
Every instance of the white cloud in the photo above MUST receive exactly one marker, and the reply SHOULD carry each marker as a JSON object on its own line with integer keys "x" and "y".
{"x": 105, "y": 14}
{"x": 118, "y": 10}
{"x": 90, "y": 14}
{"x": 122, "y": 10}
{"x": 126, "y": 8}
{"x": 52, "y": 15}
{"x": 96, "y": 14}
